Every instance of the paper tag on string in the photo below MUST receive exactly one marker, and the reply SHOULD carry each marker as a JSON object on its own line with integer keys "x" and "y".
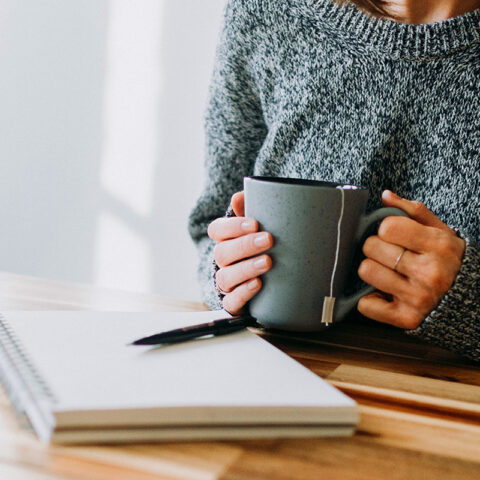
{"x": 327, "y": 313}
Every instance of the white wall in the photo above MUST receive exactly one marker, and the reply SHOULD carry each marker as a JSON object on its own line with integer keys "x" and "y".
{"x": 101, "y": 138}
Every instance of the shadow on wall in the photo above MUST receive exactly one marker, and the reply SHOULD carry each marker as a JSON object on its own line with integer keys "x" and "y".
{"x": 151, "y": 168}
{"x": 105, "y": 139}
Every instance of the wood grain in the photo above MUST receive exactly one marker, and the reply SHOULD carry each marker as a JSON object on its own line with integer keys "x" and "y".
{"x": 422, "y": 393}
{"x": 419, "y": 409}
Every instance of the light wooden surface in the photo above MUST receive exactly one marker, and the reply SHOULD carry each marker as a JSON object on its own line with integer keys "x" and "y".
{"x": 420, "y": 409}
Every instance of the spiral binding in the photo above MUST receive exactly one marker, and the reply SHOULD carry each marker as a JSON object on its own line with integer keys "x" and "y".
{"x": 19, "y": 361}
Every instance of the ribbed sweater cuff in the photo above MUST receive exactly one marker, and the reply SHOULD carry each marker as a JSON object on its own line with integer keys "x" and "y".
{"x": 219, "y": 299}
{"x": 455, "y": 323}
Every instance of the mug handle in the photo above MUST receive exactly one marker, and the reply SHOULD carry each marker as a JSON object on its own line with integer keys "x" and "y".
{"x": 345, "y": 304}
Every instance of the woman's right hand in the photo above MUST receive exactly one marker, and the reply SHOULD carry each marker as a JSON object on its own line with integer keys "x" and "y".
{"x": 238, "y": 255}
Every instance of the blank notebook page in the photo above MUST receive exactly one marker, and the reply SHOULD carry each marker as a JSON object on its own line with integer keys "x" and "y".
{"x": 86, "y": 362}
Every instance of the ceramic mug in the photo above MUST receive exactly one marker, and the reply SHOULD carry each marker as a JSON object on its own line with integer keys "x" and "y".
{"x": 317, "y": 228}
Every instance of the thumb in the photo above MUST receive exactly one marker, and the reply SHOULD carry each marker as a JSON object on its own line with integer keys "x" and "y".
{"x": 238, "y": 204}
{"x": 415, "y": 210}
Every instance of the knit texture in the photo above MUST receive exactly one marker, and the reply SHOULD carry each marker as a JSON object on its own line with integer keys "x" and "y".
{"x": 311, "y": 89}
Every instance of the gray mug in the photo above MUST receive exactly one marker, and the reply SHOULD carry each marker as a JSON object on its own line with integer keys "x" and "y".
{"x": 317, "y": 228}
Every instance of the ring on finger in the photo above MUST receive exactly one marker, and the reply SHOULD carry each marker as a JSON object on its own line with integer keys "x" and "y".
{"x": 397, "y": 261}
{"x": 219, "y": 291}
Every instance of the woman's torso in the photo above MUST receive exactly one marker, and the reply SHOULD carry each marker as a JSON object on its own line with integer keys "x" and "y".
{"x": 341, "y": 110}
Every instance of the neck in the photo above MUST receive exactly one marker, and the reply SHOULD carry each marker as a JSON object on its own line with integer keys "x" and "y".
{"x": 428, "y": 11}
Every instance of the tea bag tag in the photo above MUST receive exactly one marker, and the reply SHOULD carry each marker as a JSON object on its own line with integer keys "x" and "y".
{"x": 327, "y": 313}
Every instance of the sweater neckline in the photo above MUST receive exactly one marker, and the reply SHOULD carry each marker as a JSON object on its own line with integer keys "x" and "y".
{"x": 399, "y": 40}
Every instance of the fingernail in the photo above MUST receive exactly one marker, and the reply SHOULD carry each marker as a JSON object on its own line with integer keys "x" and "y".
{"x": 261, "y": 240}
{"x": 248, "y": 225}
{"x": 391, "y": 194}
{"x": 260, "y": 263}
{"x": 253, "y": 284}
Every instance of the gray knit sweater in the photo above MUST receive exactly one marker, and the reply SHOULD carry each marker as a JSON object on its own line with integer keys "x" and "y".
{"x": 306, "y": 88}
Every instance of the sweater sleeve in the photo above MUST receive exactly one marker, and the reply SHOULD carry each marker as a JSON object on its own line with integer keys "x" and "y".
{"x": 235, "y": 130}
{"x": 455, "y": 323}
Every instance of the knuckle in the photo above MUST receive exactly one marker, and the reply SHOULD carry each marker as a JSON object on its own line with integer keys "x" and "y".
{"x": 223, "y": 228}
{"x": 243, "y": 295}
{"x": 212, "y": 229}
{"x": 418, "y": 208}
{"x": 421, "y": 300}
{"x": 221, "y": 280}
{"x": 435, "y": 276}
{"x": 387, "y": 228}
{"x": 246, "y": 245}
{"x": 219, "y": 254}
{"x": 246, "y": 292}
{"x": 246, "y": 269}
{"x": 234, "y": 301}
{"x": 362, "y": 305}
{"x": 365, "y": 270}
{"x": 228, "y": 304}
{"x": 445, "y": 246}
{"x": 369, "y": 245}
{"x": 410, "y": 320}
{"x": 396, "y": 318}
{"x": 231, "y": 303}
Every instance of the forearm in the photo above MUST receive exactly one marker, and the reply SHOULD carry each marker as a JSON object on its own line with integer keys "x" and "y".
{"x": 235, "y": 130}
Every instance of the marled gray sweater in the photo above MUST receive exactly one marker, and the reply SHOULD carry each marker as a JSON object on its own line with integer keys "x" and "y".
{"x": 305, "y": 88}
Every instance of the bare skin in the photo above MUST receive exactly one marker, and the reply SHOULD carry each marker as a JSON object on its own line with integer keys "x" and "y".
{"x": 239, "y": 255}
{"x": 433, "y": 256}
{"x": 428, "y": 11}
{"x": 426, "y": 271}
{"x": 433, "y": 252}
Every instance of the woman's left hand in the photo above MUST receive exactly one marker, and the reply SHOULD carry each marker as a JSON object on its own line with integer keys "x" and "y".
{"x": 413, "y": 261}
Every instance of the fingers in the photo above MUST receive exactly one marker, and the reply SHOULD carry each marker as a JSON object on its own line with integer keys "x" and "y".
{"x": 228, "y": 278}
{"x": 387, "y": 254}
{"x": 235, "y": 301}
{"x": 412, "y": 293}
{"x": 409, "y": 234}
{"x": 414, "y": 236}
{"x": 421, "y": 271}
{"x": 417, "y": 284}
{"x": 227, "y": 228}
{"x": 416, "y": 210}
{"x": 429, "y": 256}
{"x": 377, "y": 307}
{"x": 237, "y": 239}
{"x": 230, "y": 251}
{"x": 384, "y": 279}
{"x": 238, "y": 204}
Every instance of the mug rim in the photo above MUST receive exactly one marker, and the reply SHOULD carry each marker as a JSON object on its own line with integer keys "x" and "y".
{"x": 304, "y": 182}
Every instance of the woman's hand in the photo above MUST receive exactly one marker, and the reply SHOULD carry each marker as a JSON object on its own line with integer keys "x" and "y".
{"x": 237, "y": 255}
{"x": 414, "y": 261}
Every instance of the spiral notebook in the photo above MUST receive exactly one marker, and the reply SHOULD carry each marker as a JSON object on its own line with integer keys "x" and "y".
{"x": 76, "y": 379}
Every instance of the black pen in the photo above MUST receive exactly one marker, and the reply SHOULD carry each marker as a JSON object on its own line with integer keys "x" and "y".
{"x": 216, "y": 327}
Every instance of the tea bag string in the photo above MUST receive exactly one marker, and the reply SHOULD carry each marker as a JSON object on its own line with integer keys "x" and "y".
{"x": 339, "y": 228}
{"x": 329, "y": 302}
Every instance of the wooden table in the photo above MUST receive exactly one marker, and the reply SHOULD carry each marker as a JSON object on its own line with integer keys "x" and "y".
{"x": 419, "y": 407}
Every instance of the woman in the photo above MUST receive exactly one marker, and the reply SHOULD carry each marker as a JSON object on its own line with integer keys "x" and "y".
{"x": 329, "y": 91}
